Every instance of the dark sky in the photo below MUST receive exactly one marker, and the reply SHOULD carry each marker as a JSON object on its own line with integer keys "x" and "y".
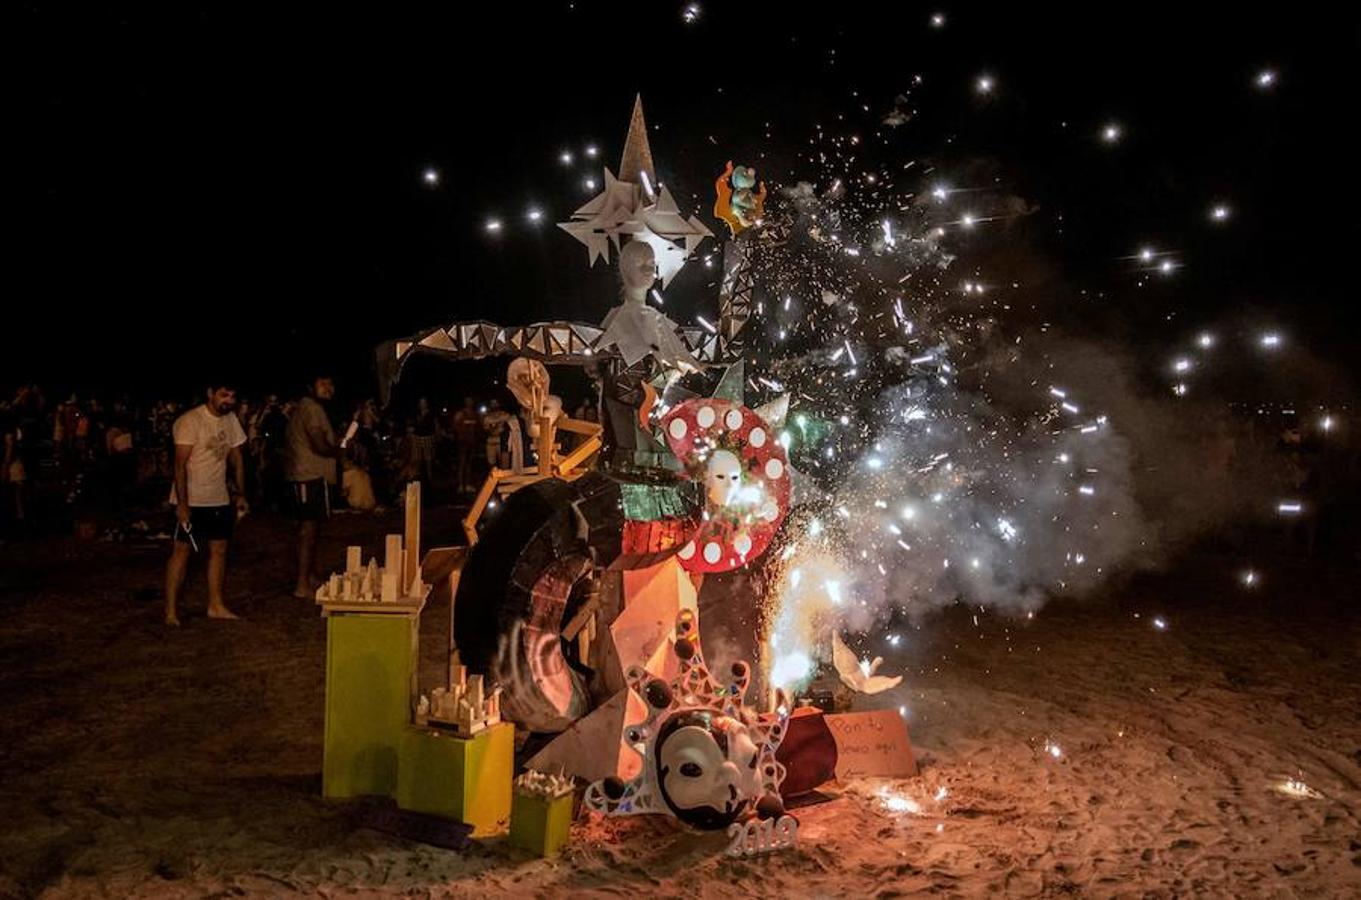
{"x": 208, "y": 187}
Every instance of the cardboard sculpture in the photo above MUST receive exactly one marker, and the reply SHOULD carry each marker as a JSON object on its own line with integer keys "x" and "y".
{"x": 541, "y": 812}
{"x": 705, "y": 758}
{"x": 371, "y": 651}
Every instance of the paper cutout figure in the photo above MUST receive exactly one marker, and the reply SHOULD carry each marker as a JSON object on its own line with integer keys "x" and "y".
{"x": 737, "y": 204}
{"x": 860, "y": 676}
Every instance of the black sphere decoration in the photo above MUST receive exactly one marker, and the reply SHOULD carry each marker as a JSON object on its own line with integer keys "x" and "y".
{"x": 684, "y": 649}
{"x": 770, "y": 807}
{"x": 658, "y": 694}
{"x": 613, "y": 787}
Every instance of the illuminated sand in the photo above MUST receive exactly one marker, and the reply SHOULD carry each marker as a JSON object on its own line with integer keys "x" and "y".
{"x": 1220, "y": 755}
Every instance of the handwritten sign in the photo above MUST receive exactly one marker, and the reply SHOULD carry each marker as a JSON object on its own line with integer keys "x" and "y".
{"x": 873, "y": 742}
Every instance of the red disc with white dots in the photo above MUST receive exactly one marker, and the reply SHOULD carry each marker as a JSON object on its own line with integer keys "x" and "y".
{"x": 745, "y": 473}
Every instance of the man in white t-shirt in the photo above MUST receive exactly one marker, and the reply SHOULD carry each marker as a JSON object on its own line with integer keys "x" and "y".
{"x": 207, "y": 438}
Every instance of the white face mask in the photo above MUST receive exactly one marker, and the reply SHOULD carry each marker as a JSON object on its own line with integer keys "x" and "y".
{"x": 723, "y": 477}
{"x": 696, "y": 772}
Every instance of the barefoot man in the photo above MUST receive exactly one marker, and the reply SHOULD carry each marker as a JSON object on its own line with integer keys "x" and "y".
{"x": 207, "y": 437}
{"x": 310, "y": 466}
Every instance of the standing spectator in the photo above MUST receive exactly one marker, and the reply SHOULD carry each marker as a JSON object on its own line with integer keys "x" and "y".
{"x": 310, "y": 467}
{"x": 13, "y": 474}
{"x": 120, "y": 449}
{"x": 467, "y": 431}
{"x": 207, "y": 438}
{"x": 271, "y": 437}
{"x": 426, "y": 433}
{"x": 493, "y": 426}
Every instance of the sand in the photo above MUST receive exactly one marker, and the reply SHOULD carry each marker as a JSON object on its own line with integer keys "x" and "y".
{"x": 1086, "y": 752}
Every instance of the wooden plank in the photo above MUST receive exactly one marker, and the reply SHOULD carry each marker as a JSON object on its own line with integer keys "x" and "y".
{"x": 579, "y": 426}
{"x": 412, "y": 536}
{"x": 479, "y": 504}
{"x": 547, "y": 437}
{"x": 578, "y": 456}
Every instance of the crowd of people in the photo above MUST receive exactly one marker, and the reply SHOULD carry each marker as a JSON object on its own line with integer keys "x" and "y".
{"x": 102, "y": 462}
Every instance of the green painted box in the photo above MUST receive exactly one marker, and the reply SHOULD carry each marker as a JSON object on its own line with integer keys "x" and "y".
{"x": 540, "y": 824}
{"x": 468, "y": 779}
{"x": 370, "y": 691}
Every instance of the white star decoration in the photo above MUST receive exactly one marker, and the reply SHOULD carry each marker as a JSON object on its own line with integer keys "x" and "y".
{"x": 624, "y": 210}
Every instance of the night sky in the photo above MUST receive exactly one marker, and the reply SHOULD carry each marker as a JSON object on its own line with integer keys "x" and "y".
{"x": 216, "y": 187}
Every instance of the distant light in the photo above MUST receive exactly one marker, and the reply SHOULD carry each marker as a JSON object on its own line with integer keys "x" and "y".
{"x": 984, "y": 84}
{"x": 1160, "y": 623}
{"x": 590, "y": 184}
{"x": 1086, "y": 489}
{"x": 591, "y": 151}
{"x": 1053, "y": 750}
{"x": 690, "y": 13}
{"x": 1111, "y": 133}
{"x": 967, "y": 220}
{"x": 430, "y": 177}
{"x": 940, "y": 192}
{"x": 1205, "y": 340}
{"x": 1271, "y": 340}
{"x": 534, "y": 215}
{"x": 908, "y": 513}
{"x": 938, "y": 20}
{"x": 1179, "y": 389}
{"x": 1181, "y": 365}
{"x": 493, "y": 225}
{"x": 1220, "y": 213}
{"x": 1250, "y": 578}
{"x": 1290, "y": 507}
{"x": 1167, "y": 267}
{"x": 1265, "y": 78}
{"x": 565, "y": 157}
{"x": 708, "y": 326}
{"x": 1146, "y": 254}
{"x": 657, "y": 297}
{"x": 1327, "y": 423}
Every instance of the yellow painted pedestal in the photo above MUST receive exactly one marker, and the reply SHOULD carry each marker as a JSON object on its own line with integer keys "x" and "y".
{"x": 468, "y": 779}
{"x": 540, "y": 825}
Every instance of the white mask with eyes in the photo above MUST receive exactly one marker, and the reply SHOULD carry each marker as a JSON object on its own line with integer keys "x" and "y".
{"x": 697, "y": 773}
{"x": 723, "y": 477}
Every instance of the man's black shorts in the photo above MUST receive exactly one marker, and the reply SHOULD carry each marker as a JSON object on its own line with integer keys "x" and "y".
{"x": 311, "y": 500}
{"x": 207, "y": 523}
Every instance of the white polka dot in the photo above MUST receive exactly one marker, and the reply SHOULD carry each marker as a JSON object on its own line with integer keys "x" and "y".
{"x": 742, "y": 544}
{"x": 774, "y": 469}
{"x": 733, "y": 419}
{"x": 712, "y": 552}
{"x": 687, "y": 551}
{"x": 677, "y": 428}
{"x": 757, "y": 438}
{"x": 705, "y": 417}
